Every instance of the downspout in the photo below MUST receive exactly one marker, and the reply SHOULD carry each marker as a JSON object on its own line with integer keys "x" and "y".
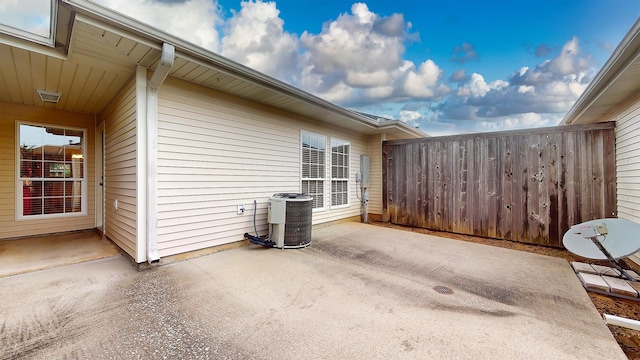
{"x": 158, "y": 77}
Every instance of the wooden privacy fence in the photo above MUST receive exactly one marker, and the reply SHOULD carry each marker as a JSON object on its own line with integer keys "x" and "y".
{"x": 526, "y": 185}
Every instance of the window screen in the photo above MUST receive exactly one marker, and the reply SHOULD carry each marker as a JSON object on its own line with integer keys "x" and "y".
{"x": 52, "y": 170}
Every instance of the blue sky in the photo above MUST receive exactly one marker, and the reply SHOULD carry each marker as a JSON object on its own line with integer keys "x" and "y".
{"x": 445, "y": 66}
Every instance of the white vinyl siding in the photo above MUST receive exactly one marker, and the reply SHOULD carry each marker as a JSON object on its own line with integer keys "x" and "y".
{"x": 120, "y": 169}
{"x": 9, "y": 116}
{"x": 314, "y": 171}
{"x": 628, "y": 163}
{"x": 216, "y": 151}
{"x": 375, "y": 174}
{"x": 340, "y": 165}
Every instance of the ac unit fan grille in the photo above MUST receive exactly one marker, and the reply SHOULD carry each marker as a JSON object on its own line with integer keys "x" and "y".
{"x": 297, "y": 230}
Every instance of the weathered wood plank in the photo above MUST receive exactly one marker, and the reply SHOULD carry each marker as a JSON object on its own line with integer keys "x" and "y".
{"x": 528, "y": 187}
{"x": 472, "y": 186}
{"x": 597, "y": 183}
{"x": 584, "y": 178}
{"x": 505, "y": 217}
{"x": 554, "y": 234}
{"x": 609, "y": 166}
{"x": 445, "y": 201}
{"x": 524, "y": 171}
{"x": 493, "y": 187}
{"x": 438, "y": 185}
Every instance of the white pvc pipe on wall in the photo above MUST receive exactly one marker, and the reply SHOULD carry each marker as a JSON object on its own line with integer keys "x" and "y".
{"x": 620, "y": 321}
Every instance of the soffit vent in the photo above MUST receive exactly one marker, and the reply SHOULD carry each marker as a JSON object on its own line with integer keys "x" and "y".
{"x": 49, "y": 96}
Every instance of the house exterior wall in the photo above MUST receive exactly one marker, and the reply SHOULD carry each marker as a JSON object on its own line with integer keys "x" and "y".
{"x": 216, "y": 151}
{"x": 9, "y": 226}
{"x": 627, "y": 119}
{"x": 375, "y": 153}
{"x": 375, "y": 170}
{"x": 120, "y": 168}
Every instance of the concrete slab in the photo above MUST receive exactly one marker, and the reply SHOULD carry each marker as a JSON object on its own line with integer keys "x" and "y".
{"x": 582, "y": 267}
{"x": 606, "y": 270}
{"x": 634, "y": 275}
{"x": 44, "y": 252}
{"x": 358, "y": 292}
{"x": 620, "y": 286}
{"x": 594, "y": 282}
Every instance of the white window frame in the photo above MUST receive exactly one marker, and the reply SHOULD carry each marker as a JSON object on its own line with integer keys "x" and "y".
{"x": 346, "y": 178}
{"x": 19, "y": 210}
{"x": 324, "y": 179}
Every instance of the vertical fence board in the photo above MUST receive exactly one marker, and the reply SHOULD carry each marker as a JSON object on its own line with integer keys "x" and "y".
{"x": 597, "y": 173}
{"x": 586, "y": 204}
{"x": 528, "y": 186}
{"x": 422, "y": 187}
{"x": 505, "y": 218}
{"x": 609, "y": 166}
{"x": 555, "y": 238}
{"x": 446, "y": 166}
{"x": 470, "y": 188}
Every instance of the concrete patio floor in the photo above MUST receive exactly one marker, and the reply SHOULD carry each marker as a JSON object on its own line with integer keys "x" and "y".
{"x": 44, "y": 252}
{"x": 358, "y": 292}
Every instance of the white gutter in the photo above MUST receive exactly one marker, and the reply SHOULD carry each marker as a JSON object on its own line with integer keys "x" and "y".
{"x": 158, "y": 77}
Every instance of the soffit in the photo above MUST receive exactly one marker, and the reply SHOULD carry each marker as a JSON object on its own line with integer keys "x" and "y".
{"x": 617, "y": 82}
{"x": 98, "y": 64}
{"x": 625, "y": 85}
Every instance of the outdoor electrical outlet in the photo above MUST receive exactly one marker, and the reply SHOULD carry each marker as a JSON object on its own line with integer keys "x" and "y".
{"x": 115, "y": 204}
{"x": 240, "y": 209}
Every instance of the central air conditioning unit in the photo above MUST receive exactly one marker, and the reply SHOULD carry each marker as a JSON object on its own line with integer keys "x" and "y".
{"x": 289, "y": 216}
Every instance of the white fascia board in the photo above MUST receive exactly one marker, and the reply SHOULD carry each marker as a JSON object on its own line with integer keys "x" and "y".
{"x": 403, "y": 127}
{"x": 31, "y": 46}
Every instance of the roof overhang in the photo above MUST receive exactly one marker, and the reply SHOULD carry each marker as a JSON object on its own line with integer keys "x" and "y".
{"x": 104, "y": 48}
{"x": 615, "y": 83}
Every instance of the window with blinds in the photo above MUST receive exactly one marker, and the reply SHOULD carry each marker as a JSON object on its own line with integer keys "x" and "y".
{"x": 340, "y": 154}
{"x": 52, "y": 171}
{"x": 314, "y": 172}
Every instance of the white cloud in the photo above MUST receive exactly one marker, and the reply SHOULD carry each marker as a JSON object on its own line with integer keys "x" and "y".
{"x": 464, "y": 53}
{"x": 519, "y": 121}
{"x": 567, "y": 63}
{"x": 552, "y": 87}
{"x": 191, "y": 20}
{"x": 255, "y": 37}
{"x": 354, "y": 44}
{"x": 358, "y": 59}
{"x": 410, "y": 117}
{"x": 422, "y": 83}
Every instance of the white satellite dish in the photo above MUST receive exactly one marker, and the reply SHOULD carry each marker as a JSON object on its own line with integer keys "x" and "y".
{"x": 604, "y": 239}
